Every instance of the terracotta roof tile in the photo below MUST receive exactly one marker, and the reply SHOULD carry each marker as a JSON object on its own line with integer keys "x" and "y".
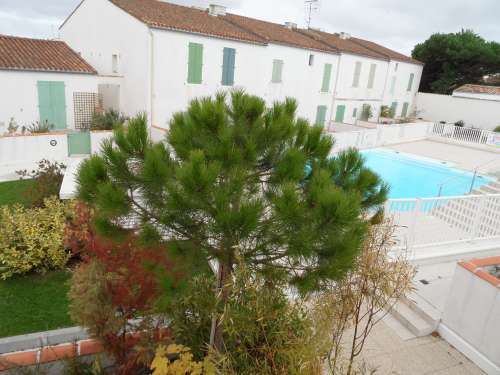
{"x": 165, "y": 15}
{"x": 344, "y": 45}
{"x": 41, "y": 55}
{"x": 479, "y": 89}
{"x": 277, "y": 33}
{"x": 393, "y": 55}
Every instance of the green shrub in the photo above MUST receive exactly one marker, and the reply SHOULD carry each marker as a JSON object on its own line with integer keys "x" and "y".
{"x": 31, "y": 240}
{"x": 107, "y": 120}
{"x": 40, "y": 127}
{"x": 497, "y": 129}
{"x": 386, "y": 111}
{"x": 47, "y": 179}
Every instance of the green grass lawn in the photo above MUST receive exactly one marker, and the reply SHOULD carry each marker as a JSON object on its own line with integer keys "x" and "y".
{"x": 14, "y": 191}
{"x": 34, "y": 303}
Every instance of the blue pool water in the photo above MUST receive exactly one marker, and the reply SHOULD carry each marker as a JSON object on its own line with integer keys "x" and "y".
{"x": 412, "y": 177}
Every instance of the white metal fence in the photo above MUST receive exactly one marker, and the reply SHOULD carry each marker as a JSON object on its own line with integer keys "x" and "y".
{"x": 462, "y": 134}
{"x": 381, "y": 135}
{"x": 441, "y": 220}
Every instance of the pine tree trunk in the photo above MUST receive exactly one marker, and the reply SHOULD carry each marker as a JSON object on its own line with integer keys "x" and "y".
{"x": 224, "y": 289}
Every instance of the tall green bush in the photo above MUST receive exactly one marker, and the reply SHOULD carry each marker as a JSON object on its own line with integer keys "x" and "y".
{"x": 31, "y": 239}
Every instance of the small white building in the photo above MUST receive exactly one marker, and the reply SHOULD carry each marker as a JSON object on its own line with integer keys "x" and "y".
{"x": 46, "y": 82}
{"x": 155, "y": 56}
{"x": 481, "y": 92}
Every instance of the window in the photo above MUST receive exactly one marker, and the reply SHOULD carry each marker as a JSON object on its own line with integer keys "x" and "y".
{"x": 277, "y": 71}
{"x": 311, "y": 60}
{"x": 410, "y": 82}
{"x": 321, "y": 115}
{"x": 228, "y": 59}
{"x": 371, "y": 77}
{"x": 327, "y": 75}
{"x": 404, "y": 111}
{"x": 393, "y": 85}
{"x": 114, "y": 63}
{"x": 396, "y": 67}
{"x": 195, "y": 63}
{"x": 354, "y": 112}
{"x": 357, "y": 73}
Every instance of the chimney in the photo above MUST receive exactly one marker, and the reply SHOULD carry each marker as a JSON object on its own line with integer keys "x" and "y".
{"x": 216, "y": 10}
{"x": 290, "y": 25}
{"x": 344, "y": 35}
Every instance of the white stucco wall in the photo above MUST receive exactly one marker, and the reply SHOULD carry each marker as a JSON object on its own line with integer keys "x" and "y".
{"x": 472, "y": 313}
{"x": 478, "y": 113}
{"x": 19, "y": 95}
{"x": 253, "y": 70}
{"x": 97, "y": 30}
{"x": 401, "y": 71}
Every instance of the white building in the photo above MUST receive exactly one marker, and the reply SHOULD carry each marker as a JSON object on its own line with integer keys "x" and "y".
{"x": 46, "y": 82}
{"x": 481, "y": 92}
{"x": 155, "y": 56}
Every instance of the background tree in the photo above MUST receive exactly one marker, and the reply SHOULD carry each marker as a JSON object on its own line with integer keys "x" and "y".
{"x": 230, "y": 182}
{"x": 454, "y": 59}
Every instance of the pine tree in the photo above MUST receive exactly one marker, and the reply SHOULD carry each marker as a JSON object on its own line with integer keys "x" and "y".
{"x": 236, "y": 180}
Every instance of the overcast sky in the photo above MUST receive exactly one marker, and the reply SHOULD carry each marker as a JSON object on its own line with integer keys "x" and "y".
{"x": 397, "y": 24}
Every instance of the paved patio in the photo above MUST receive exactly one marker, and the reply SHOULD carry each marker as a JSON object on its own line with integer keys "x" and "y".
{"x": 462, "y": 157}
{"x": 388, "y": 353}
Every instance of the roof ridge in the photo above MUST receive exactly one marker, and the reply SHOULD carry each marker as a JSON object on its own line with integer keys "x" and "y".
{"x": 353, "y": 39}
{"x": 319, "y": 40}
{"x": 31, "y": 38}
{"x": 263, "y": 37}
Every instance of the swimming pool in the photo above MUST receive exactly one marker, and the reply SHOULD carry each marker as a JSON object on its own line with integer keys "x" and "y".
{"x": 414, "y": 177}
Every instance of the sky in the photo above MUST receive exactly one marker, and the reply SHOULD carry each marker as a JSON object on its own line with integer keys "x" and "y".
{"x": 397, "y": 24}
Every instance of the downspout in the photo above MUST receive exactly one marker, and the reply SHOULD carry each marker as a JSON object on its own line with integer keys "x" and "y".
{"x": 151, "y": 80}
{"x": 335, "y": 86}
{"x": 385, "y": 86}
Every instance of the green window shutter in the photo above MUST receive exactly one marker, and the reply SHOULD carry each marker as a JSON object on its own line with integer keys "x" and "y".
{"x": 195, "y": 63}
{"x": 44, "y": 102}
{"x": 410, "y": 82}
{"x": 354, "y": 112}
{"x": 371, "y": 78}
{"x": 58, "y": 97}
{"x": 357, "y": 73}
{"x": 52, "y": 103}
{"x": 339, "y": 114}
{"x": 327, "y": 75}
{"x": 394, "y": 107}
{"x": 321, "y": 115}
{"x": 404, "y": 111}
{"x": 277, "y": 71}
{"x": 228, "y": 61}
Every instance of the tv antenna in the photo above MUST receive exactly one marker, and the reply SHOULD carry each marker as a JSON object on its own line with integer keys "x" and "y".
{"x": 311, "y": 6}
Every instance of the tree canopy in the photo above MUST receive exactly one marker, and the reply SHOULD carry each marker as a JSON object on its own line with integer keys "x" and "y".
{"x": 454, "y": 59}
{"x": 236, "y": 180}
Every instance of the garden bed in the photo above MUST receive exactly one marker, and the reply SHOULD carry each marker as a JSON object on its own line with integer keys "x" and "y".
{"x": 34, "y": 303}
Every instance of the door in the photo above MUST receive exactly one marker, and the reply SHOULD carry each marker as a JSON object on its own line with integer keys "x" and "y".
{"x": 339, "y": 114}
{"x": 52, "y": 104}
{"x": 79, "y": 143}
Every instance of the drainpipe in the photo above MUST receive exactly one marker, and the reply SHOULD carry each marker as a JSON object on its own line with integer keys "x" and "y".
{"x": 385, "y": 85}
{"x": 335, "y": 87}
{"x": 151, "y": 80}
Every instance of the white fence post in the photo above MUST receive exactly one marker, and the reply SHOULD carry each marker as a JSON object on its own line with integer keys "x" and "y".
{"x": 413, "y": 223}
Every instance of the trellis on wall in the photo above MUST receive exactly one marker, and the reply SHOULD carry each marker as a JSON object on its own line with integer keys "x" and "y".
{"x": 85, "y": 104}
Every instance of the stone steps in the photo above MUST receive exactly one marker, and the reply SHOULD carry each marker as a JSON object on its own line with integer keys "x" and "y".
{"x": 416, "y": 315}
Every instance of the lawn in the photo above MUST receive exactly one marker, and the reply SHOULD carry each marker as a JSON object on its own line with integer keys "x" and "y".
{"x": 14, "y": 191}
{"x": 34, "y": 303}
